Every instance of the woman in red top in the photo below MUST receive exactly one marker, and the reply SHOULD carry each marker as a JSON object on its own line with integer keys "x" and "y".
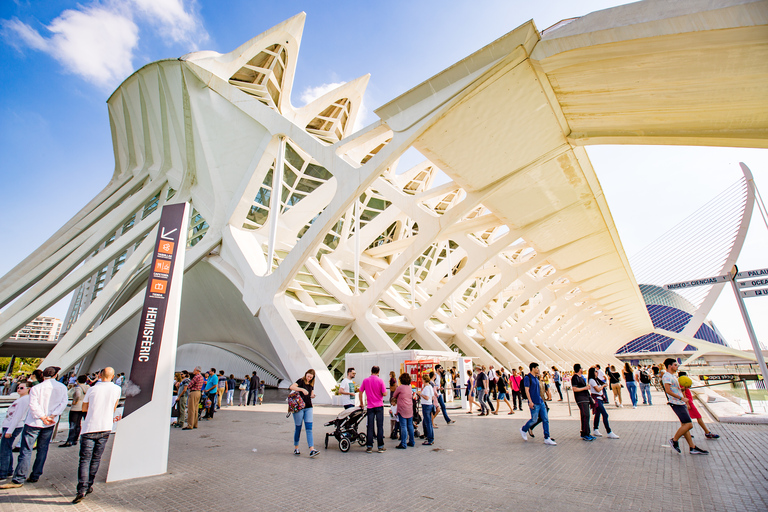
{"x": 404, "y": 396}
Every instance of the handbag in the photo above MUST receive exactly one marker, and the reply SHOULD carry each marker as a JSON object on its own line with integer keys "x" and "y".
{"x": 295, "y": 403}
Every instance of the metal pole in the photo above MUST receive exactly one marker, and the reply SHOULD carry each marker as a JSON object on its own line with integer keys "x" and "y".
{"x": 748, "y": 325}
{"x": 357, "y": 245}
{"x": 568, "y": 397}
{"x": 749, "y": 399}
{"x": 9, "y": 370}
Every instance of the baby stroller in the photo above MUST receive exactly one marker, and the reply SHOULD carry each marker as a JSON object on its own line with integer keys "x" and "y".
{"x": 345, "y": 430}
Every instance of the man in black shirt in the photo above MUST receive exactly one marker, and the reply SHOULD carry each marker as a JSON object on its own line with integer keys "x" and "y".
{"x": 253, "y": 390}
{"x": 581, "y": 395}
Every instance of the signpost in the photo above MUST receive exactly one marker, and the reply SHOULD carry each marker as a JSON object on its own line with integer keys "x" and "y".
{"x": 141, "y": 437}
{"x": 746, "y": 279}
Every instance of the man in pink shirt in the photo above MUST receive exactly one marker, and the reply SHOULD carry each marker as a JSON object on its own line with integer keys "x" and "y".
{"x": 375, "y": 391}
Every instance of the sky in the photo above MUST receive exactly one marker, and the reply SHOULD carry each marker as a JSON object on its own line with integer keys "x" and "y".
{"x": 60, "y": 60}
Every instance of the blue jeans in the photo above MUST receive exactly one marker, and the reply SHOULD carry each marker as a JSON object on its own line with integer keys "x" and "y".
{"x": 6, "y": 452}
{"x": 539, "y": 412}
{"x": 375, "y": 426}
{"x": 426, "y": 413}
{"x": 600, "y": 411}
{"x": 442, "y": 407}
{"x": 92, "y": 446}
{"x": 75, "y": 417}
{"x": 632, "y": 388}
{"x": 28, "y": 437}
{"x": 645, "y": 391}
{"x": 481, "y": 393}
{"x": 304, "y": 415}
{"x": 406, "y": 425}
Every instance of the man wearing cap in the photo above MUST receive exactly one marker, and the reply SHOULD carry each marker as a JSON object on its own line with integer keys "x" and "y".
{"x": 99, "y": 404}
{"x": 47, "y": 401}
{"x": 195, "y": 387}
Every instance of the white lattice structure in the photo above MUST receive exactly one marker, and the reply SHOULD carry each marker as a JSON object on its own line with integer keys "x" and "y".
{"x": 515, "y": 258}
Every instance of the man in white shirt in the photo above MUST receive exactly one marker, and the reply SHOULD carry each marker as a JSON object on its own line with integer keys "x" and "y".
{"x": 99, "y": 404}
{"x": 347, "y": 389}
{"x": 47, "y": 401}
{"x": 12, "y": 426}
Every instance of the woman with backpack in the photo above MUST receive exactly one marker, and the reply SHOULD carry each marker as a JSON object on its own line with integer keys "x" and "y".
{"x": 645, "y": 386}
{"x": 305, "y": 386}
{"x": 614, "y": 379}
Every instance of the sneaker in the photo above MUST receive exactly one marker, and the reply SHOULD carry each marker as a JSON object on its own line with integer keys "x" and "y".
{"x": 675, "y": 446}
{"x": 369, "y": 450}
{"x": 32, "y": 479}
{"x": 427, "y": 443}
{"x": 587, "y": 438}
{"x": 411, "y": 444}
{"x": 596, "y": 433}
{"x": 382, "y": 449}
{"x": 11, "y": 485}
{"x": 550, "y": 441}
{"x": 313, "y": 453}
{"x": 400, "y": 447}
{"x": 524, "y": 434}
{"x": 710, "y": 435}
{"x": 634, "y": 407}
{"x": 78, "y": 498}
{"x": 698, "y": 451}
{"x": 296, "y": 452}
{"x": 611, "y": 435}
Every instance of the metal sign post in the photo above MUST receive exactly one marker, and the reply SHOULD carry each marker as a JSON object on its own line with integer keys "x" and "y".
{"x": 735, "y": 274}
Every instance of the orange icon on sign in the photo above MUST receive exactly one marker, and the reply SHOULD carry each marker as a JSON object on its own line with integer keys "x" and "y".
{"x": 166, "y": 247}
{"x": 162, "y": 266}
{"x": 158, "y": 286}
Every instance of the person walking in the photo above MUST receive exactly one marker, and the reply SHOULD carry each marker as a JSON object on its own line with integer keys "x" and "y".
{"x": 517, "y": 397}
{"x": 404, "y": 397}
{"x": 305, "y": 386}
{"x": 645, "y": 386}
{"x": 253, "y": 390}
{"x": 629, "y": 378}
{"x": 558, "y": 379}
{"x": 439, "y": 382}
{"x": 13, "y": 424}
{"x": 536, "y": 404}
{"x": 614, "y": 379}
{"x": 581, "y": 396}
{"x": 76, "y": 413}
{"x": 470, "y": 391}
{"x": 99, "y": 404}
{"x": 374, "y": 390}
{"x": 47, "y": 401}
{"x": 501, "y": 388}
{"x": 231, "y": 384}
{"x": 347, "y": 389}
{"x": 679, "y": 405}
{"x": 244, "y": 387}
{"x": 426, "y": 395}
{"x": 596, "y": 391}
{"x": 481, "y": 385}
{"x": 193, "y": 402}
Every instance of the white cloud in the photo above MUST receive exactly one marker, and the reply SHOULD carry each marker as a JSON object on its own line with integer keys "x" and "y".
{"x": 98, "y": 41}
{"x": 310, "y": 94}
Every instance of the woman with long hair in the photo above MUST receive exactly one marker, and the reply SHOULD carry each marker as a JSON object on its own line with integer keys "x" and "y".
{"x": 596, "y": 390}
{"x": 470, "y": 391}
{"x": 629, "y": 378}
{"x": 305, "y": 386}
{"x": 614, "y": 378}
{"x": 392, "y": 385}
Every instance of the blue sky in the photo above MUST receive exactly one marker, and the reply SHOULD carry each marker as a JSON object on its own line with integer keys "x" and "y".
{"x": 62, "y": 59}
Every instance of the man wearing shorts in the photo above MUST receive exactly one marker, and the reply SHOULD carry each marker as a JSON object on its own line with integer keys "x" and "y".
{"x": 678, "y": 402}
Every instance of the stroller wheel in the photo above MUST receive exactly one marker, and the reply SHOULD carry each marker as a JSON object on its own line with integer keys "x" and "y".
{"x": 361, "y": 439}
{"x": 326, "y": 440}
{"x": 344, "y": 445}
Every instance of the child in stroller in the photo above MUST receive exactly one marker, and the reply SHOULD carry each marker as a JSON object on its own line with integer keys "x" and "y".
{"x": 345, "y": 428}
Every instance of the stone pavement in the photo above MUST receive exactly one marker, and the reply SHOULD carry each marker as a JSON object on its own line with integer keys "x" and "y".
{"x": 243, "y": 461}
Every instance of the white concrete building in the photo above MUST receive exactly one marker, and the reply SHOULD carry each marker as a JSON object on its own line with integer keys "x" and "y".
{"x": 309, "y": 241}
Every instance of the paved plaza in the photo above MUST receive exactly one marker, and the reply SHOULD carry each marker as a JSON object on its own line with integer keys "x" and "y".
{"x": 243, "y": 461}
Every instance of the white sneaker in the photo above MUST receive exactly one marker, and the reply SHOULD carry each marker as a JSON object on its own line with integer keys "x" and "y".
{"x": 524, "y": 434}
{"x": 597, "y": 433}
{"x": 550, "y": 442}
{"x": 634, "y": 407}
{"x": 611, "y": 435}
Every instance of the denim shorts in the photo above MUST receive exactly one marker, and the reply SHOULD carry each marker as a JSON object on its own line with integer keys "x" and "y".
{"x": 502, "y": 396}
{"x": 682, "y": 413}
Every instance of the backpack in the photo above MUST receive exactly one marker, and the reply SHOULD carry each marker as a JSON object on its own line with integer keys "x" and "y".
{"x": 644, "y": 377}
{"x": 295, "y": 403}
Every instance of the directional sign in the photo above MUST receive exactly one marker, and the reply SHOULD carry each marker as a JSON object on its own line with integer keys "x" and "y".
{"x": 763, "y": 272}
{"x": 698, "y": 282}
{"x": 749, "y": 283}
{"x": 757, "y": 292}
